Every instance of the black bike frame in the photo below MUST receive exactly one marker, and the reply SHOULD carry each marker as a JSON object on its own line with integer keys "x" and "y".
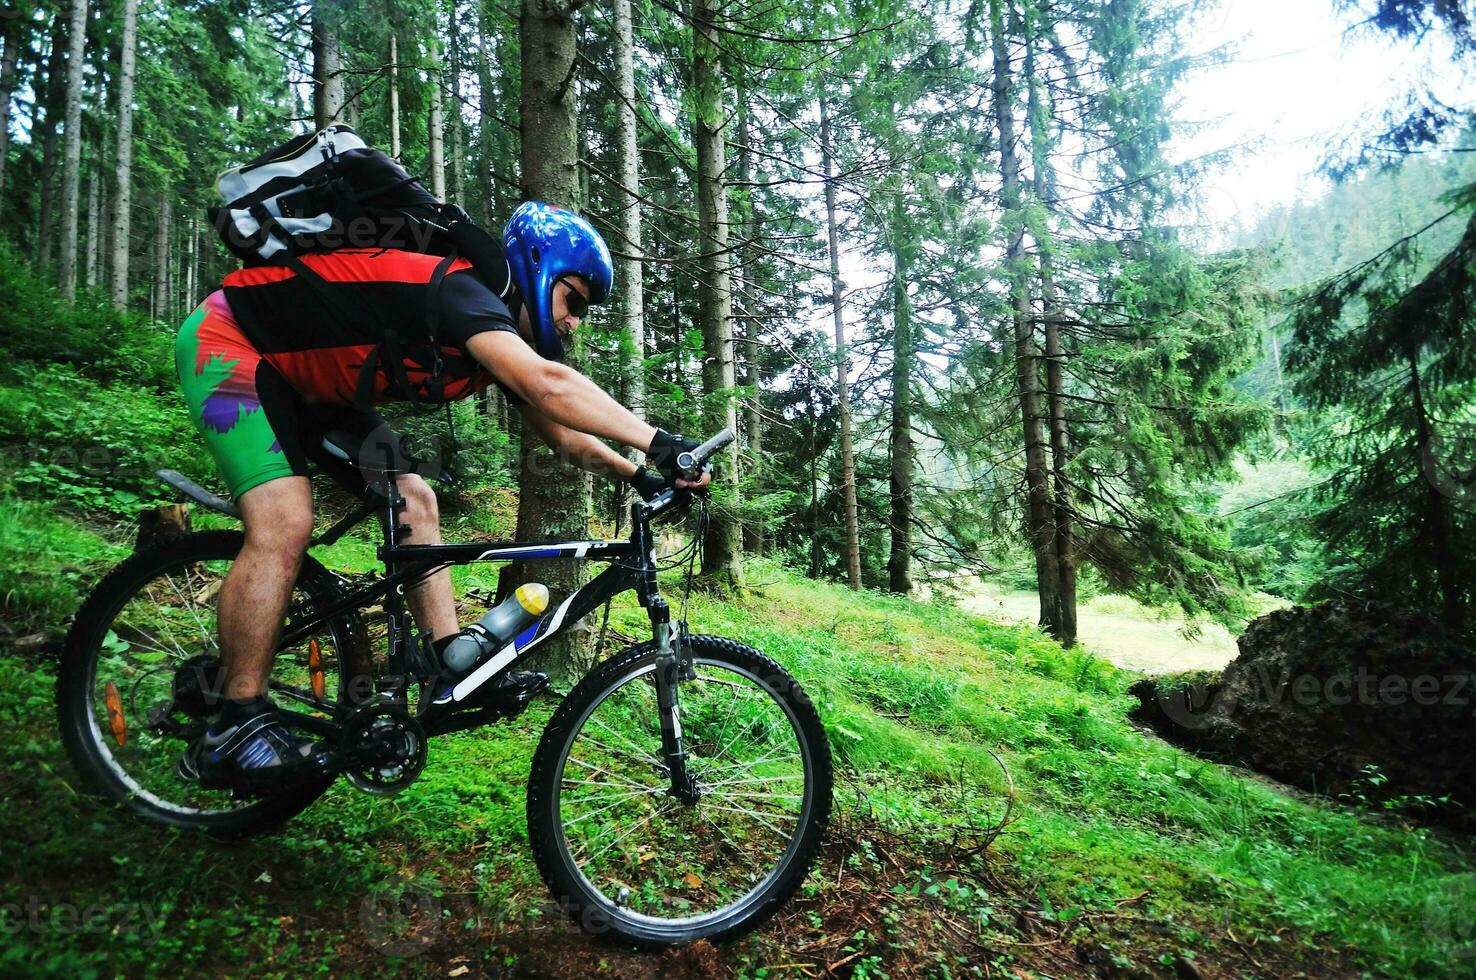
{"x": 632, "y": 566}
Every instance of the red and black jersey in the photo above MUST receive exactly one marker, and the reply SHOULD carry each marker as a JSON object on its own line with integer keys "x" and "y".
{"x": 320, "y": 355}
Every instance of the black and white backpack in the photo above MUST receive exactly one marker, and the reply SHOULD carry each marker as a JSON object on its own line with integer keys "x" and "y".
{"x": 327, "y": 190}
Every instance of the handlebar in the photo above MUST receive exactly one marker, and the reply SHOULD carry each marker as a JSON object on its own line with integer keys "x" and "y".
{"x": 689, "y": 466}
{"x": 692, "y": 461}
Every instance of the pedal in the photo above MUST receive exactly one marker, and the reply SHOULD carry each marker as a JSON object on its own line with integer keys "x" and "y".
{"x": 511, "y": 697}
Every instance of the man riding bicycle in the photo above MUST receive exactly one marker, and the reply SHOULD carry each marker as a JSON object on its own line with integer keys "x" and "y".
{"x": 267, "y": 372}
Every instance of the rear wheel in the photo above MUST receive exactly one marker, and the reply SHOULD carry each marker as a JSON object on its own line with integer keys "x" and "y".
{"x": 622, "y": 855}
{"x": 140, "y": 678}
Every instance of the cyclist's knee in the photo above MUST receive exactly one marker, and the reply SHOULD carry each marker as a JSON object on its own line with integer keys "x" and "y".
{"x": 421, "y": 508}
{"x": 279, "y": 515}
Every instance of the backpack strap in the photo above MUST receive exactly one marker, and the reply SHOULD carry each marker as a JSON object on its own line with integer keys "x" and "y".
{"x": 389, "y": 354}
{"x": 437, "y": 384}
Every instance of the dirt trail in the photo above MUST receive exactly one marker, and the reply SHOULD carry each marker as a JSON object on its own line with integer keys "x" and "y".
{"x": 1127, "y": 633}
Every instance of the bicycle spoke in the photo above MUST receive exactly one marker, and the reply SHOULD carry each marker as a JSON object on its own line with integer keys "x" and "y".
{"x": 755, "y": 796}
{"x": 664, "y": 810}
{"x": 596, "y": 782}
{"x": 189, "y": 604}
{"x": 759, "y": 817}
{"x": 755, "y": 779}
{"x": 622, "y": 798}
{"x": 641, "y": 755}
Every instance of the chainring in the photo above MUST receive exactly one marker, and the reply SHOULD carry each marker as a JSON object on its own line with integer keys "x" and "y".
{"x": 384, "y": 748}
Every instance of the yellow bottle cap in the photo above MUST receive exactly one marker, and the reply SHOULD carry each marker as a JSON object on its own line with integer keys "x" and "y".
{"x": 533, "y": 597}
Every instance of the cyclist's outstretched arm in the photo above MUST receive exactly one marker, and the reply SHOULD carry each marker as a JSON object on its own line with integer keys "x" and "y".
{"x": 557, "y": 391}
{"x": 582, "y": 449}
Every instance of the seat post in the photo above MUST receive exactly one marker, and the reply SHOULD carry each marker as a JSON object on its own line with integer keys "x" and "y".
{"x": 394, "y": 503}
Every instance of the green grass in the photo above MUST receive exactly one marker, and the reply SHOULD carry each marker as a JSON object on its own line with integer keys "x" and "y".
{"x": 44, "y": 561}
{"x": 1105, "y": 811}
{"x": 919, "y": 699}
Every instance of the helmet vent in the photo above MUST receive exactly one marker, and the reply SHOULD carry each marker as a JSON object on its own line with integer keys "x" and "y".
{"x": 536, "y": 257}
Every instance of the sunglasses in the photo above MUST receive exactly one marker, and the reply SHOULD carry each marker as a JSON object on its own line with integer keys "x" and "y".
{"x": 576, "y": 302}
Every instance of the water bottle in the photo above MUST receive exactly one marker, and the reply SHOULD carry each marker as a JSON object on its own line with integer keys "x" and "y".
{"x": 501, "y": 623}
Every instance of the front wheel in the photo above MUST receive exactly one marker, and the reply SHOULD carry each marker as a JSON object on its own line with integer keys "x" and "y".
{"x": 622, "y": 855}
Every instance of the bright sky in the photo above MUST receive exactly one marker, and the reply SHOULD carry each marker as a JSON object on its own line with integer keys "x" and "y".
{"x": 1294, "y": 82}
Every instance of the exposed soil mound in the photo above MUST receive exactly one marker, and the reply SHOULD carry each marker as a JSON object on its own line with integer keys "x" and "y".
{"x": 1342, "y": 698}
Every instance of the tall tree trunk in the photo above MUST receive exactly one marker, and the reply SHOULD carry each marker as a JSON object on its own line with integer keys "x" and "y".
{"x": 753, "y": 422}
{"x": 485, "y": 99}
{"x": 458, "y": 150}
{"x": 722, "y": 556}
{"x": 436, "y": 127}
{"x": 554, "y": 497}
{"x": 123, "y": 171}
{"x": 46, "y": 227}
{"x": 94, "y": 227}
{"x": 628, "y": 172}
{"x": 394, "y": 94}
{"x": 72, "y": 149}
{"x": 159, "y": 307}
{"x": 192, "y": 265}
{"x": 50, "y": 95}
{"x": 13, "y": 34}
{"x": 842, "y": 380}
{"x": 814, "y": 481}
{"x": 327, "y": 67}
{"x": 1062, "y": 508}
{"x": 1039, "y": 517}
{"x": 904, "y": 353}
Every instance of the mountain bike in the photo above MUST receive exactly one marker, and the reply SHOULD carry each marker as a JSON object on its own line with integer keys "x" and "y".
{"x": 680, "y": 790}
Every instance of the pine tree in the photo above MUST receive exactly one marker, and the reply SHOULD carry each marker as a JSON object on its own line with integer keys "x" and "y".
{"x": 123, "y": 170}
{"x": 553, "y": 496}
{"x": 722, "y": 555}
{"x": 1392, "y": 363}
{"x": 842, "y": 366}
{"x": 629, "y": 240}
{"x": 72, "y": 150}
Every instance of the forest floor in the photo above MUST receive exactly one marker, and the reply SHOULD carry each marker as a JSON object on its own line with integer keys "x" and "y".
{"x": 1122, "y": 855}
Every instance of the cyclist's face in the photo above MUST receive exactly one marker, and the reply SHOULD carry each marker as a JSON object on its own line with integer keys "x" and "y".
{"x": 570, "y": 302}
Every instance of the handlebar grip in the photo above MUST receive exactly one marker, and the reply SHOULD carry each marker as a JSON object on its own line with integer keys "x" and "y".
{"x": 694, "y": 459}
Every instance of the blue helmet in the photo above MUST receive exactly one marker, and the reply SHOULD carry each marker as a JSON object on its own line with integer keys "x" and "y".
{"x": 544, "y": 242}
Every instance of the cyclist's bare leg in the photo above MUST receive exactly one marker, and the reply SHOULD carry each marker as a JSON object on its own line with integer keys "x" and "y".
{"x": 253, "y": 599}
{"x": 431, "y": 601}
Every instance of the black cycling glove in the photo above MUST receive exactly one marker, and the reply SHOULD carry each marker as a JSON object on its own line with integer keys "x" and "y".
{"x": 647, "y": 484}
{"x": 665, "y": 448}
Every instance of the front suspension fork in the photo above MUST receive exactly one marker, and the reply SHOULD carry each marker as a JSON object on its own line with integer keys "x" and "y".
{"x": 672, "y": 668}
